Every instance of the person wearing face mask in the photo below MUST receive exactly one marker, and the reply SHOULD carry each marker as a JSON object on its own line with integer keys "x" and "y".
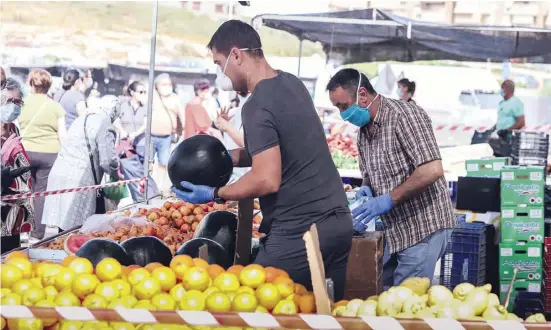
{"x": 229, "y": 122}
{"x": 18, "y": 215}
{"x": 86, "y": 155}
{"x": 43, "y": 129}
{"x": 292, "y": 172}
{"x": 406, "y": 89}
{"x": 510, "y": 114}
{"x": 166, "y": 113}
{"x": 197, "y": 119}
{"x": 71, "y": 95}
{"x": 402, "y": 169}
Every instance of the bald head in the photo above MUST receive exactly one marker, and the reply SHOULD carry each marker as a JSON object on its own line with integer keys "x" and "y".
{"x": 508, "y": 87}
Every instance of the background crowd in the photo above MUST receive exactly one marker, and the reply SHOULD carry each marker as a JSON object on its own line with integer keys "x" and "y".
{"x": 72, "y": 136}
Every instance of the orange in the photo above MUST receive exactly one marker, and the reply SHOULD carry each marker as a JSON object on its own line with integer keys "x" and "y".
{"x": 124, "y": 287}
{"x": 15, "y": 255}
{"x": 177, "y": 292}
{"x": 66, "y": 299}
{"x": 163, "y": 301}
{"x": 196, "y": 278}
{"x": 127, "y": 269}
{"x": 81, "y": 266}
{"x": 108, "y": 290}
{"x": 193, "y": 301}
{"x": 285, "y": 286}
{"x": 245, "y": 289}
{"x": 218, "y": 302}
{"x": 21, "y": 286}
{"x": 268, "y": 295}
{"x": 152, "y": 266}
{"x": 84, "y": 284}
{"x": 108, "y": 269}
{"x": 50, "y": 292}
{"x": 32, "y": 296}
{"x": 25, "y": 324}
{"x": 48, "y": 273}
{"x": 226, "y": 282}
{"x": 295, "y": 298}
{"x": 214, "y": 270}
{"x": 22, "y": 263}
{"x": 165, "y": 276}
{"x": 307, "y": 304}
{"x": 137, "y": 275}
{"x": 300, "y": 289}
{"x": 94, "y": 300}
{"x": 64, "y": 279}
{"x": 67, "y": 260}
{"x": 244, "y": 302}
{"x": 341, "y": 303}
{"x": 46, "y": 303}
{"x": 147, "y": 288}
{"x": 285, "y": 307}
{"x": 11, "y": 299}
{"x": 271, "y": 274}
{"x": 252, "y": 276}
{"x": 180, "y": 264}
{"x": 235, "y": 269}
{"x": 9, "y": 274}
{"x": 198, "y": 262}
{"x": 126, "y": 302}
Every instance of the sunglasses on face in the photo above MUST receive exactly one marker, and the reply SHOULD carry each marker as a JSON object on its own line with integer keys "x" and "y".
{"x": 17, "y": 102}
{"x": 141, "y": 92}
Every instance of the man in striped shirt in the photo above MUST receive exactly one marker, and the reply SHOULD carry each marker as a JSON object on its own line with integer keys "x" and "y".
{"x": 402, "y": 169}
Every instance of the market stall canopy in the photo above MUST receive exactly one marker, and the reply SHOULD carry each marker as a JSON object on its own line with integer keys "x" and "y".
{"x": 372, "y": 35}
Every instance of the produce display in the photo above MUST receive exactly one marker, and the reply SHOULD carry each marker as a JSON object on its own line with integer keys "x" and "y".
{"x": 343, "y": 150}
{"x": 186, "y": 284}
{"x": 415, "y": 298}
{"x": 174, "y": 223}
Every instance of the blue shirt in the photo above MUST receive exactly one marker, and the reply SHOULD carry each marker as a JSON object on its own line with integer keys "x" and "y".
{"x": 508, "y": 112}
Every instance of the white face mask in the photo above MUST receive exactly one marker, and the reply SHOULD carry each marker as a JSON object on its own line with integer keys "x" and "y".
{"x": 165, "y": 90}
{"x": 224, "y": 81}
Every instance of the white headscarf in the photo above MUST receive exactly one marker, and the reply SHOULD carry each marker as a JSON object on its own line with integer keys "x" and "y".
{"x": 110, "y": 105}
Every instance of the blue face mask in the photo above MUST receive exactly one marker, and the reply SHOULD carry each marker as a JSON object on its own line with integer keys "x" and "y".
{"x": 355, "y": 114}
{"x": 10, "y": 112}
{"x": 501, "y": 93}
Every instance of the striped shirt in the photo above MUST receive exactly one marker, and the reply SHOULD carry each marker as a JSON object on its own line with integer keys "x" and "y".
{"x": 399, "y": 140}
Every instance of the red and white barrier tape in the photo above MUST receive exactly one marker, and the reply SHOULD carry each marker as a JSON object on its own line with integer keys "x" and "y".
{"x": 466, "y": 128}
{"x": 70, "y": 190}
{"x": 257, "y": 320}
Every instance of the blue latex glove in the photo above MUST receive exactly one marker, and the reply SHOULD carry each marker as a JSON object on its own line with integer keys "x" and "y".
{"x": 197, "y": 195}
{"x": 364, "y": 191}
{"x": 373, "y": 208}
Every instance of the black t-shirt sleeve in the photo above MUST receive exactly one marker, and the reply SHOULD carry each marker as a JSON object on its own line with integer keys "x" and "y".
{"x": 260, "y": 129}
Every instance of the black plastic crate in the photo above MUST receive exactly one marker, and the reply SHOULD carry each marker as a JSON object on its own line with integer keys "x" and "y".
{"x": 465, "y": 256}
{"x": 529, "y": 161}
{"x": 529, "y": 153}
{"x": 528, "y": 303}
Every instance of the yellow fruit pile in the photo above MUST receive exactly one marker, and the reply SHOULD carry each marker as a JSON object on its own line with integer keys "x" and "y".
{"x": 187, "y": 284}
{"x": 414, "y": 298}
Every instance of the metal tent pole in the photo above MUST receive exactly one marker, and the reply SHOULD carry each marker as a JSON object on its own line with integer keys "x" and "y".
{"x": 150, "y": 96}
{"x": 299, "y": 57}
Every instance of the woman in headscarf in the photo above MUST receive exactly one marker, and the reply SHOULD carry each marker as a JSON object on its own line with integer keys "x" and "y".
{"x": 75, "y": 168}
{"x": 17, "y": 215}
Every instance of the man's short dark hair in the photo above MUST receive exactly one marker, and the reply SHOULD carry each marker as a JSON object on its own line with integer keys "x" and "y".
{"x": 235, "y": 33}
{"x": 348, "y": 79}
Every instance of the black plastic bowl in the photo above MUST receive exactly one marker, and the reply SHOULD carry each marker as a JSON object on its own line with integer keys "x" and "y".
{"x": 202, "y": 160}
{"x": 147, "y": 249}
{"x": 98, "y": 249}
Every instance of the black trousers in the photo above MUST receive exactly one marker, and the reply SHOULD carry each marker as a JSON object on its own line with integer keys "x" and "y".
{"x": 41, "y": 165}
{"x": 288, "y": 252}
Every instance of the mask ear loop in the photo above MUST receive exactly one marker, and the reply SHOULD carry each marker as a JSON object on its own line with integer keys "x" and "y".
{"x": 358, "y": 89}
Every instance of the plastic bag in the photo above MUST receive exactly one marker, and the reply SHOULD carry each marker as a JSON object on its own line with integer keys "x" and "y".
{"x": 99, "y": 223}
{"x": 115, "y": 193}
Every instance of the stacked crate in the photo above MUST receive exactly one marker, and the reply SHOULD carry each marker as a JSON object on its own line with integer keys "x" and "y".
{"x": 522, "y": 229}
{"x": 530, "y": 148}
{"x": 547, "y": 274}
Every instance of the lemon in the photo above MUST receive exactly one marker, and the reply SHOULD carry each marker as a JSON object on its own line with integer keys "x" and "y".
{"x": 124, "y": 287}
{"x": 193, "y": 301}
{"x": 108, "y": 290}
{"x": 84, "y": 284}
{"x": 32, "y": 295}
{"x": 66, "y": 299}
{"x": 147, "y": 288}
{"x": 64, "y": 279}
{"x": 23, "y": 264}
{"x": 108, "y": 269}
{"x": 11, "y": 299}
{"x": 218, "y": 302}
{"x": 177, "y": 292}
{"x": 137, "y": 275}
{"x": 46, "y": 303}
{"x": 94, "y": 301}
{"x": 163, "y": 301}
{"x": 50, "y": 292}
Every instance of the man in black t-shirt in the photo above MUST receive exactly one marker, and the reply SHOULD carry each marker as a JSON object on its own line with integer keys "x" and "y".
{"x": 292, "y": 171}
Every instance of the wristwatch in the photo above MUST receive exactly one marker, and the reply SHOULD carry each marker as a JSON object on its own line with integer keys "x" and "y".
{"x": 217, "y": 198}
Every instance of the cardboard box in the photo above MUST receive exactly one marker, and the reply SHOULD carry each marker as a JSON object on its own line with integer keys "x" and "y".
{"x": 522, "y": 185}
{"x": 526, "y": 258}
{"x": 518, "y": 285}
{"x": 486, "y": 168}
{"x": 364, "y": 275}
{"x": 522, "y": 224}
